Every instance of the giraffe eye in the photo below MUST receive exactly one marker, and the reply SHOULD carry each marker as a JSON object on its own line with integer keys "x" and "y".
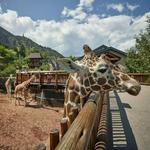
{"x": 103, "y": 69}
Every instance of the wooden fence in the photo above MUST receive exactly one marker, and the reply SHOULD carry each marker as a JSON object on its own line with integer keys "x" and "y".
{"x": 143, "y": 78}
{"x": 44, "y": 77}
{"x": 87, "y": 129}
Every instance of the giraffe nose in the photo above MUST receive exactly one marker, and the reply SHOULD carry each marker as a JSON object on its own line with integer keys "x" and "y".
{"x": 103, "y": 68}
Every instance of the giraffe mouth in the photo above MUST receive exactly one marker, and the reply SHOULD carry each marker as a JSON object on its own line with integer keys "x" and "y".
{"x": 134, "y": 90}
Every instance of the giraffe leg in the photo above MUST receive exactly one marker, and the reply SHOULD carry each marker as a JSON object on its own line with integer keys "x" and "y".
{"x": 64, "y": 115}
{"x": 15, "y": 97}
{"x": 25, "y": 95}
{"x": 10, "y": 98}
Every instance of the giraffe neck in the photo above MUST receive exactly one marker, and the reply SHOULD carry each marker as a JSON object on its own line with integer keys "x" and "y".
{"x": 26, "y": 83}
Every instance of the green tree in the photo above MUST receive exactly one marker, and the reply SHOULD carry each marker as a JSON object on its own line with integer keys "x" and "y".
{"x": 7, "y": 57}
{"x": 22, "y": 51}
{"x": 73, "y": 58}
{"x": 138, "y": 57}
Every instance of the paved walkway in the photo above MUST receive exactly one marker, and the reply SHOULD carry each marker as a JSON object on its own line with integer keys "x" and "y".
{"x": 130, "y": 120}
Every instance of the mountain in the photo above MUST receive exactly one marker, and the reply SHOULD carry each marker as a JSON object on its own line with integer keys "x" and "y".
{"x": 13, "y": 41}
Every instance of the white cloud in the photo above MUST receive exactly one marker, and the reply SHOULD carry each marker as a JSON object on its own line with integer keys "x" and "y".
{"x": 132, "y": 7}
{"x": 118, "y": 7}
{"x": 69, "y": 35}
{"x": 86, "y": 3}
{"x": 78, "y": 13}
{"x": 18, "y": 25}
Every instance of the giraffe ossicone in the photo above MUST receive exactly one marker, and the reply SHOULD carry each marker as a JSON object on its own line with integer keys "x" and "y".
{"x": 93, "y": 74}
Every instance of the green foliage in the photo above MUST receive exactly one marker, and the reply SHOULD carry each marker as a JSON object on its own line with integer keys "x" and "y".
{"x": 138, "y": 57}
{"x": 44, "y": 67}
{"x": 73, "y": 58}
{"x": 9, "y": 61}
{"x": 6, "y": 54}
{"x": 9, "y": 69}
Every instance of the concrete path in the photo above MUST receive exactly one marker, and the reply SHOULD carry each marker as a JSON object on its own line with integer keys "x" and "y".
{"x": 130, "y": 120}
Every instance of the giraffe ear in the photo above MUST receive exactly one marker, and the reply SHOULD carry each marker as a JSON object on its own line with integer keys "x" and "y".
{"x": 70, "y": 66}
{"x": 87, "y": 49}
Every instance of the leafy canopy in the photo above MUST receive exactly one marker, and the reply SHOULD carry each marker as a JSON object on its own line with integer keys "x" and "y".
{"x": 138, "y": 57}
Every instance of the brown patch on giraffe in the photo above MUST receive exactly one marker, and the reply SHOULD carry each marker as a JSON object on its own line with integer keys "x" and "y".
{"x": 91, "y": 81}
{"x": 124, "y": 77}
{"x": 95, "y": 88}
{"x": 86, "y": 83}
{"x": 116, "y": 73}
{"x": 94, "y": 64}
{"x": 95, "y": 75}
{"x": 77, "y": 89}
{"x": 83, "y": 91}
{"x": 101, "y": 81}
{"x": 71, "y": 84}
{"x": 111, "y": 82}
{"x": 88, "y": 89}
{"x": 68, "y": 108}
{"x": 89, "y": 74}
{"x": 117, "y": 80}
{"x": 81, "y": 80}
{"x": 106, "y": 87}
{"x": 77, "y": 99}
{"x": 73, "y": 95}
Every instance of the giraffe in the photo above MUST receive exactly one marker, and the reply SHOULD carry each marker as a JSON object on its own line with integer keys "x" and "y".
{"x": 8, "y": 86}
{"x": 23, "y": 89}
{"x": 93, "y": 74}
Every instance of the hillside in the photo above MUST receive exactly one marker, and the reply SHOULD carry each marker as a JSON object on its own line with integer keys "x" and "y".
{"x": 12, "y": 41}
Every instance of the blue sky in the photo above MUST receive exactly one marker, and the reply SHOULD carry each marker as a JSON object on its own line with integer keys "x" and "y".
{"x": 66, "y": 25}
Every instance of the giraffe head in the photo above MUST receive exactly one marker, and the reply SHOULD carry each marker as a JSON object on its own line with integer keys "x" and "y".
{"x": 99, "y": 74}
{"x": 33, "y": 77}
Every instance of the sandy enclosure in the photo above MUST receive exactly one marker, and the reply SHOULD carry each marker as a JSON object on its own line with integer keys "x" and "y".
{"x": 21, "y": 128}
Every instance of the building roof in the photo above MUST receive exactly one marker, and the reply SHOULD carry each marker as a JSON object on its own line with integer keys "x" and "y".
{"x": 104, "y": 49}
{"x": 35, "y": 55}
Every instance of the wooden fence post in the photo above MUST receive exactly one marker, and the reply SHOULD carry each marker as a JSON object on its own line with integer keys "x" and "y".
{"x": 54, "y": 138}
{"x": 64, "y": 126}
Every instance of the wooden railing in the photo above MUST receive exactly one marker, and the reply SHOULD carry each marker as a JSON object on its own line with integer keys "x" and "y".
{"x": 143, "y": 78}
{"x": 87, "y": 130}
{"x": 43, "y": 77}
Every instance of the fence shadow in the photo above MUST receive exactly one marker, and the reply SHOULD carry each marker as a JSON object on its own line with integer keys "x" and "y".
{"x": 121, "y": 134}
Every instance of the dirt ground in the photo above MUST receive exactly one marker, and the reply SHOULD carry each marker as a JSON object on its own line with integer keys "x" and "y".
{"x": 22, "y": 128}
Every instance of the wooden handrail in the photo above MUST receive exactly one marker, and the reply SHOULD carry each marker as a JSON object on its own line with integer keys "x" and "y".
{"x": 80, "y": 132}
